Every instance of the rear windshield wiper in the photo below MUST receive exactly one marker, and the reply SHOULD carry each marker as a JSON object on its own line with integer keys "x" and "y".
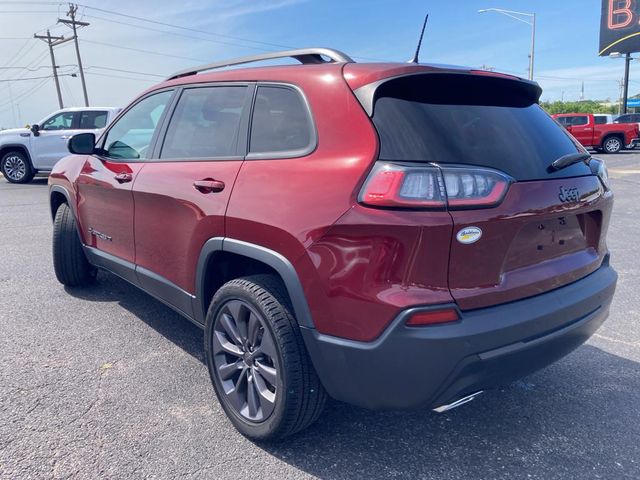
{"x": 569, "y": 159}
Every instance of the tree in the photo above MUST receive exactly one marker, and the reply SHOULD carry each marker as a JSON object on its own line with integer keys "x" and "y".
{"x": 585, "y": 106}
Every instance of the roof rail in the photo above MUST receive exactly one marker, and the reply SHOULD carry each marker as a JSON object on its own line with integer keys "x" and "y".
{"x": 303, "y": 55}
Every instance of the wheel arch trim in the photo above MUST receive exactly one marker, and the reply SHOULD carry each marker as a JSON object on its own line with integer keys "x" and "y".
{"x": 21, "y": 147}
{"x": 61, "y": 190}
{"x": 269, "y": 257}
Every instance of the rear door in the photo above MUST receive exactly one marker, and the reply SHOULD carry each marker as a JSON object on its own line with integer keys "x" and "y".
{"x": 182, "y": 193}
{"x": 549, "y": 228}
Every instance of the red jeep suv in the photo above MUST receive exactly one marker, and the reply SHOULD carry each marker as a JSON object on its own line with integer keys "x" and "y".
{"x": 391, "y": 235}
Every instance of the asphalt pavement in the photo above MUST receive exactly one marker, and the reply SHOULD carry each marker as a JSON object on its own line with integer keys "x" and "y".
{"x": 109, "y": 383}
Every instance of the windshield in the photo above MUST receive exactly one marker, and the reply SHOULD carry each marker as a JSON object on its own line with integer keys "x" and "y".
{"x": 472, "y": 120}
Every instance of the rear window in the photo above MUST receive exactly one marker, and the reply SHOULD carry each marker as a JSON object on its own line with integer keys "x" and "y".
{"x": 471, "y": 120}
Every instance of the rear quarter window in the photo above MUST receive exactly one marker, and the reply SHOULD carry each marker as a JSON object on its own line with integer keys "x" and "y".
{"x": 281, "y": 124}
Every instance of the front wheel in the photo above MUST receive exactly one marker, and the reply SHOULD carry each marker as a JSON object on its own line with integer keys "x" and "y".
{"x": 259, "y": 367}
{"x": 69, "y": 261}
{"x": 612, "y": 145}
{"x": 16, "y": 167}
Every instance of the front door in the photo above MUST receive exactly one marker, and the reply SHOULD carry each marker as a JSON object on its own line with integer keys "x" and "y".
{"x": 51, "y": 143}
{"x": 105, "y": 201}
{"x": 182, "y": 193}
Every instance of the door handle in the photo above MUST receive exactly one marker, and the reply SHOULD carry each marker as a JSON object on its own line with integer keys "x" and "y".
{"x": 123, "y": 177}
{"x": 208, "y": 185}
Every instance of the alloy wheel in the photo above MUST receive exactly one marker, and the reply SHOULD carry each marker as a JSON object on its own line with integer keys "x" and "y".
{"x": 246, "y": 360}
{"x": 15, "y": 167}
{"x": 612, "y": 145}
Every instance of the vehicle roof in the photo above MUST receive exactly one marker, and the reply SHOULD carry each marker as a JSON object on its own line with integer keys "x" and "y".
{"x": 82, "y": 109}
{"x": 356, "y": 74}
{"x": 573, "y": 114}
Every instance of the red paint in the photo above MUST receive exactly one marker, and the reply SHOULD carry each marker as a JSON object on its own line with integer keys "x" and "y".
{"x": 359, "y": 266}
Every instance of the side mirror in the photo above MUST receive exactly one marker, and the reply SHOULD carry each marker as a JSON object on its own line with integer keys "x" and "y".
{"x": 82, "y": 144}
{"x": 35, "y": 129}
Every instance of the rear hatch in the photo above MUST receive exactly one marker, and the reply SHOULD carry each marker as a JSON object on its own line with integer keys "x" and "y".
{"x": 544, "y": 230}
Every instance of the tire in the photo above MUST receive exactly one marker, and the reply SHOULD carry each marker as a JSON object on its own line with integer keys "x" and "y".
{"x": 612, "y": 145}
{"x": 16, "y": 167}
{"x": 252, "y": 317}
{"x": 69, "y": 261}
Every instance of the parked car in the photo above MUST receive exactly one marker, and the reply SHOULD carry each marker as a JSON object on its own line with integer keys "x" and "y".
{"x": 27, "y": 151}
{"x": 609, "y": 138}
{"x": 392, "y": 235}
{"x": 628, "y": 118}
{"x": 601, "y": 118}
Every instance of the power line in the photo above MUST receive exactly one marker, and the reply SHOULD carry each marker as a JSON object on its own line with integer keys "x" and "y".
{"x": 120, "y": 76}
{"x": 126, "y": 71}
{"x": 150, "y": 52}
{"x": 37, "y": 78}
{"x": 176, "y": 34}
{"x": 181, "y": 27}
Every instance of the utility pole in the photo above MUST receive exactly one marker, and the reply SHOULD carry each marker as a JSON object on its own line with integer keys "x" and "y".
{"x": 51, "y": 41}
{"x": 73, "y": 23}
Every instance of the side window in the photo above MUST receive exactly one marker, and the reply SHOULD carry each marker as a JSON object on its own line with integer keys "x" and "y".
{"x": 281, "y": 122}
{"x": 61, "y": 121}
{"x": 622, "y": 119}
{"x": 600, "y": 120}
{"x": 564, "y": 121}
{"x": 93, "y": 120}
{"x": 205, "y": 123}
{"x": 131, "y": 135}
{"x": 580, "y": 120}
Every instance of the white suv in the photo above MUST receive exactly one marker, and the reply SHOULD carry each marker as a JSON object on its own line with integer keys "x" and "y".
{"x": 27, "y": 151}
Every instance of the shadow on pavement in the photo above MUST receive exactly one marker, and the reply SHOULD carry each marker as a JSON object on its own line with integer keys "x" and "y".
{"x": 579, "y": 418}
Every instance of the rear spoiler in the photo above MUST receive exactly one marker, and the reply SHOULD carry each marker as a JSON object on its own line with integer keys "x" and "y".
{"x": 528, "y": 92}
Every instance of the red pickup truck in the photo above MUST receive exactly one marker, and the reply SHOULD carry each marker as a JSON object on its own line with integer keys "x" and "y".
{"x": 608, "y": 137}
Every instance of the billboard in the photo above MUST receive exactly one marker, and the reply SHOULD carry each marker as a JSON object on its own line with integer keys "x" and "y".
{"x": 620, "y": 27}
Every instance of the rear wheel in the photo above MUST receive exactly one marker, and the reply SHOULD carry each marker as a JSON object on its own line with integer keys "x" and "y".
{"x": 16, "y": 167}
{"x": 612, "y": 145}
{"x": 69, "y": 261}
{"x": 257, "y": 360}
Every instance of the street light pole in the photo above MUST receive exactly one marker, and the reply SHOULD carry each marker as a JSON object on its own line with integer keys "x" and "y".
{"x": 625, "y": 95}
{"x": 532, "y": 23}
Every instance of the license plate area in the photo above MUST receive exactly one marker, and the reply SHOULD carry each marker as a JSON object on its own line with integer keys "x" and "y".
{"x": 541, "y": 240}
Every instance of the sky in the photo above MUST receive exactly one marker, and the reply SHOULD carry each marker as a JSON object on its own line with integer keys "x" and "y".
{"x": 123, "y": 55}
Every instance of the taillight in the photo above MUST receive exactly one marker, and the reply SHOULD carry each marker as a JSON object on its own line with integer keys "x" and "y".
{"x": 433, "y": 186}
{"x": 600, "y": 169}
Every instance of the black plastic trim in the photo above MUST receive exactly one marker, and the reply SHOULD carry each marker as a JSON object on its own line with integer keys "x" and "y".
{"x": 122, "y": 268}
{"x": 366, "y": 94}
{"x": 149, "y": 282}
{"x": 163, "y": 289}
{"x": 416, "y": 367}
{"x": 256, "y": 252}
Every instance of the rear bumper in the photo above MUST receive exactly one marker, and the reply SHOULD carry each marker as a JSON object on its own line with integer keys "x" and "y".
{"x": 408, "y": 367}
{"x": 634, "y": 143}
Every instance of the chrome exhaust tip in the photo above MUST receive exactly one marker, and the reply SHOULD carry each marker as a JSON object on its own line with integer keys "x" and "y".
{"x": 457, "y": 403}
